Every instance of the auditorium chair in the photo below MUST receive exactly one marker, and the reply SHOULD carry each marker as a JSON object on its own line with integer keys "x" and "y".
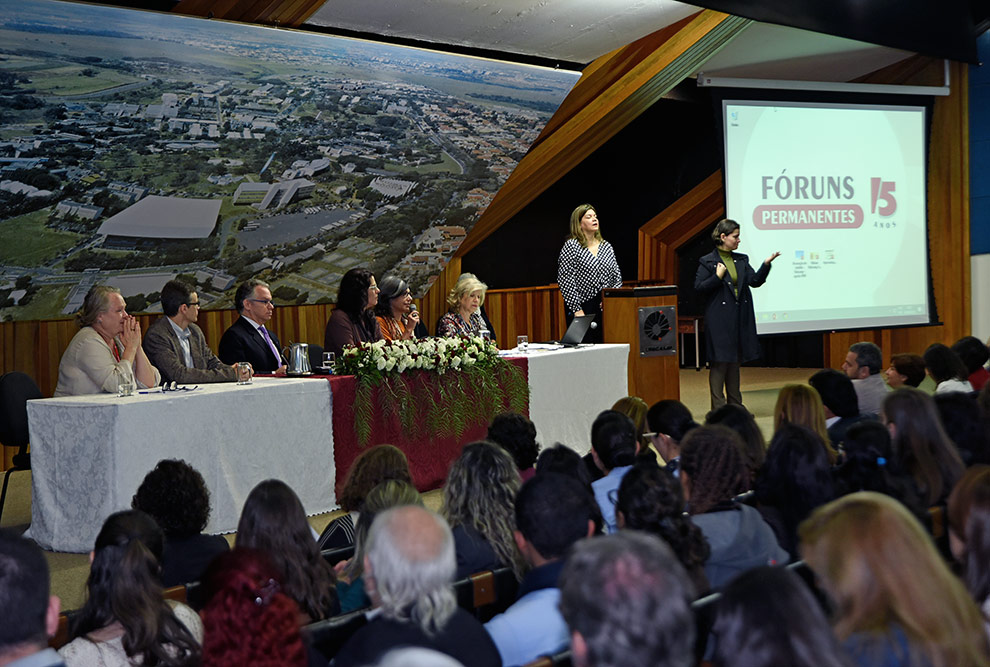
{"x": 486, "y": 594}
{"x": 16, "y": 389}
{"x": 329, "y": 635}
{"x": 334, "y": 556}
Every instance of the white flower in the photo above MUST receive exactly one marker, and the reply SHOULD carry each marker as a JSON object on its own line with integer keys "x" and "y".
{"x": 455, "y": 362}
{"x": 380, "y": 364}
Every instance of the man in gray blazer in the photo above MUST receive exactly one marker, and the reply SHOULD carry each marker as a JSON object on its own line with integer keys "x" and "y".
{"x": 177, "y": 347}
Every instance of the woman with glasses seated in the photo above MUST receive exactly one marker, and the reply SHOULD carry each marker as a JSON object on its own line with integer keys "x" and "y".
{"x": 353, "y": 321}
{"x": 396, "y": 314}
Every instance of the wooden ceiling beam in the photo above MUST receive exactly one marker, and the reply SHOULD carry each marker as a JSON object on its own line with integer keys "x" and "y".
{"x": 283, "y": 13}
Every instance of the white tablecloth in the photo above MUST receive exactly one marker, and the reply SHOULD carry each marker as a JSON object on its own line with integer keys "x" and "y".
{"x": 90, "y": 453}
{"x": 569, "y": 387}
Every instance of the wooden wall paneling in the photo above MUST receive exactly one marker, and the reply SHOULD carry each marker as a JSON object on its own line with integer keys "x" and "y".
{"x": 284, "y": 13}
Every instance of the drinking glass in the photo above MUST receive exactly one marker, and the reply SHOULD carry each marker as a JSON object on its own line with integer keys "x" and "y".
{"x": 329, "y": 360}
{"x": 522, "y": 344}
{"x": 125, "y": 387}
{"x": 244, "y": 372}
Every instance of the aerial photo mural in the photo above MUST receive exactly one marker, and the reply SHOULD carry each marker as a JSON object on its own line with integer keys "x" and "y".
{"x": 136, "y": 147}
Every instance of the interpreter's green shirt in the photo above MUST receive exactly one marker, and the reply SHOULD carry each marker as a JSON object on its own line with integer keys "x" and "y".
{"x": 730, "y": 265}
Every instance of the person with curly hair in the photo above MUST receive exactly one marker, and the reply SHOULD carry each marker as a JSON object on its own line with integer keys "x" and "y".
{"x": 711, "y": 472}
{"x": 249, "y": 620}
{"x": 651, "y": 500}
{"x": 273, "y": 521}
{"x": 516, "y": 434}
{"x": 742, "y": 421}
{"x": 125, "y": 620}
{"x": 478, "y": 503}
{"x": 372, "y": 467}
{"x": 175, "y": 496}
{"x": 353, "y": 321}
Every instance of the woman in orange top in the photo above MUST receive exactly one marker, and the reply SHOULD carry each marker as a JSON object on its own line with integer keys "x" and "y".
{"x": 396, "y": 315}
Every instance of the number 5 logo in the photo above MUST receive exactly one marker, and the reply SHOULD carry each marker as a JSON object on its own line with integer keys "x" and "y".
{"x": 884, "y": 190}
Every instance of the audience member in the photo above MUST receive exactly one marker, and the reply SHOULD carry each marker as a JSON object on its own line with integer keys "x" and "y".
{"x": 965, "y": 424}
{"x": 669, "y": 421}
{"x": 800, "y": 404}
{"x": 767, "y": 617}
{"x": 626, "y": 600}
{"x": 478, "y": 503}
{"x": 125, "y": 620}
{"x": 106, "y": 350}
{"x": 635, "y": 408}
{"x": 711, "y": 472}
{"x": 409, "y": 567}
{"x": 969, "y": 532}
{"x": 897, "y": 602}
{"x": 516, "y": 434}
{"x": 974, "y": 355}
{"x": 30, "y": 614}
{"x": 795, "y": 479}
{"x": 464, "y": 316}
{"x": 247, "y": 339}
{"x": 742, "y": 421}
{"x": 175, "y": 496}
{"x": 553, "y": 512}
{"x": 350, "y": 581}
{"x": 177, "y": 347}
{"x": 840, "y": 402}
{"x": 248, "y": 619}
{"x": 352, "y": 321}
{"x": 862, "y": 365}
{"x": 920, "y": 445}
{"x": 906, "y": 369}
{"x": 561, "y": 458}
{"x": 651, "y": 500}
{"x": 614, "y": 447}
{"x": 397, "y": 316}
{"x": 946, "y": 369}
{"x": 372, "y": 467}
{"x": 273, "y": 521}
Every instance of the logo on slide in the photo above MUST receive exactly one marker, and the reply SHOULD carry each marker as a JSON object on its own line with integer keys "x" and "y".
{"x": 882, "y": 190}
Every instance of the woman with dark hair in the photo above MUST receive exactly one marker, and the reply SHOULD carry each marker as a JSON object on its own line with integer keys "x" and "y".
{"x": 273, "y": 521}
{"x": 946, "y": 369}
{"x": 564, "y": 460}
{"x": 669, "y": 421}
{"x": 175, "y": 496}
{"x": 802, "y": 405}
{"x": 712, "y": 471}
{"x": 969, "y": 532}
{"x": 795, "y": 479}
{"x": 920, "y": 445}
{"x": 125, "y": 620}
{"x": 964, "y": 423}
{"x": 479, "y": 504}
{"x": 585, "y": 267}
{"x": 248, "y": 619}
{"x": 724, "y": 279}
{"x": 516, "y": 434}
{"x": 767, "y": 617}
{"x": 651, "y": 500}
{"x": 398, "y": 318}
{"x": 742, "y": 421}
{"x": 905, "y": 369}
{"x": 372, "y": 467}
{"x": 353, "y": 321}
{"x": 974, "y": 355}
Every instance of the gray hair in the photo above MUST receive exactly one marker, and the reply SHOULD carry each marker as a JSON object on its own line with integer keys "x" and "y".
{"x": 417, "y": 656}
{"x": 97, "y": 301}
{"x": 245, "y": 291}
{"x": 867, "y": 354}
{"x": 467, "y": 283}
{"x": 413, "y": 566}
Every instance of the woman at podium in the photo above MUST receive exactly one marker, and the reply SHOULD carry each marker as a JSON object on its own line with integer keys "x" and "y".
{"x": 586, "y": 266}
{"x": 725, "y": 277}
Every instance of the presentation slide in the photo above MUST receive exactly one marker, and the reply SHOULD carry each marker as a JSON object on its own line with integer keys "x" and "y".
{"x": 839, "y": 191}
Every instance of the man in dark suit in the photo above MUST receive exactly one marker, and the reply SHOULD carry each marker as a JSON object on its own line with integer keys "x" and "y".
{"x": 247, "y": 339}
{"x": 840, "y": 402}
{"x": 177, "y": 347}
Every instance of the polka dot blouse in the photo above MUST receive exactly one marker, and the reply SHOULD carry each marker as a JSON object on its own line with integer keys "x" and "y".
{"x": 582, "y": 276}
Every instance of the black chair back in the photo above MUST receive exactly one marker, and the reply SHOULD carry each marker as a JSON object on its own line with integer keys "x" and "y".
{"x": 486, "y": 594}
{"x": 329, "y": 635}
{"x": 334, "y": 556}
{"x": 315, "y": 356}
{"x": 16, "y": 389}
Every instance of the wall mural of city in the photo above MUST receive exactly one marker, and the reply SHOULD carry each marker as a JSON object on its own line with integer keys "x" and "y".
{"x": 136, "y": 147}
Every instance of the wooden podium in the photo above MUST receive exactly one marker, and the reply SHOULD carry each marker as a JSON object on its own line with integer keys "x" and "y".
{"x": 652, "y": 378}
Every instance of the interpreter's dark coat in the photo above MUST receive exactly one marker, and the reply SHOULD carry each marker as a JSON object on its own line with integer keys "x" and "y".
{"x": 730, "y": 324}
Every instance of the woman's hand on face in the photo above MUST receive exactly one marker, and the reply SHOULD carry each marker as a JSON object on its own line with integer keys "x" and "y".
{"x": 720, "y": 270}
{"x": 771, "y": 258}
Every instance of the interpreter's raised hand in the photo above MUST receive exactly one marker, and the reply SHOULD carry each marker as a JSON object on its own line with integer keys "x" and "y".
{"x": 131, "y": 336}
{"x": 771, "y": 258}
{"x": 720, "y": 270}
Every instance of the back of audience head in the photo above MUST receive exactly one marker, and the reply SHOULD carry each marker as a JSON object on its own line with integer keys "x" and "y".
{"x": 516, "y": 434}
{"x": 480, "y": 492}
{"x": 175, "y": 496}
{"x": 409, "y": 567}
{"x": 964, "y": 423}
{"x": 613, "y": 440}
{"x": 635, "y": 408}
{"x": 124, "y": 586}
{"x": 626, "y": 600}
{"x": 670, "y": 421}
{"x": 837, "y": 392}
{"x": 371, "y": 468}
{"x": 388, "y": 494}
{"x": 564, "y": 460}
{"x": 248, "y": 619}
{"x": 767, "y": 617}
{"x": 741, "y": 420}
{"x": 553, "y": 512}
{"x": 944, "y": 364}
{"x": 416, "y": 656}
{"x": 712, "y": 469}
{"x": 920, "y": 444}
{"x": 650, "y": 499}
{"x": 969, "y": 529}
{"x": 973, "y": 353}
{"x": 883, "y": 572}
{"x": 800, "y": 404}
{"x": 870, "y": 465}
{"x": 30, "y": 614}
{"x": 906, "y": 369}
{"x": 274, "y": 521}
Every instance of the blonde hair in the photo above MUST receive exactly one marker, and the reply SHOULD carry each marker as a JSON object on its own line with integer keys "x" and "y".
{"x": 97, "y": 301}
{"x": 802, "y": 405}
{"x": 466, "y": 284}
{"x": 882, "y": 569}
{"x": 576, "y": 232}
{"x": 635, "y": 408}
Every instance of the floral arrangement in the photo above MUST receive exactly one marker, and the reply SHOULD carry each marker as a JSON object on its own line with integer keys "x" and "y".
{"x": 439, "y": 384}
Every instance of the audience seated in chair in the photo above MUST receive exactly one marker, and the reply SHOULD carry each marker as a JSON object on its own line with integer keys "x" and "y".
{"x": 947, "y": 370}
{"x": 905, "y": 370}
{"x": 965, "y": 424}
{"x": 969, "y": 528}
{"x": 29, "y": 613}
{"x": 840, "y": 403}
{"x": 800, "y": 404}
{"x": 668, "y": 422}
{"x": 862, "y": 365}
{"x": 614, "y": 448}
{"x": 516, "y": 434}
{"x": 742, "y": 421}
{"x": 564, "y": 460}
{"x": 974, "y": 354}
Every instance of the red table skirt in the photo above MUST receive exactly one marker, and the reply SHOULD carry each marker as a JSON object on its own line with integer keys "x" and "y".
{"x": 429, "y": 455}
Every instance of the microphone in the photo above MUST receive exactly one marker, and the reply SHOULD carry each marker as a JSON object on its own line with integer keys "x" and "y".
{"x": 594, "y": 325}
{"x": 412, "y": 308}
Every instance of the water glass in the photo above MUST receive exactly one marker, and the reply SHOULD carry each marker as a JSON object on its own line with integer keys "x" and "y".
{"x": 244, "y": 372}
{"x": 522, "y": 344}
{"x": 329, "y": 361}
{"x": 125, "y": 386}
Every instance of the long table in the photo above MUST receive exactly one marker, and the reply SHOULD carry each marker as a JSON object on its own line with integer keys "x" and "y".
{"x": 90, "y": 453}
